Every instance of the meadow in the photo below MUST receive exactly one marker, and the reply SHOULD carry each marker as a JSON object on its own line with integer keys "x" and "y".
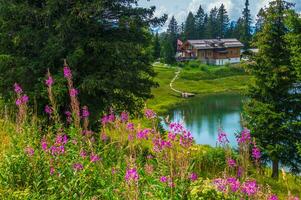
{"x": 195, "y": 78}
{"x": 60, "y": 157}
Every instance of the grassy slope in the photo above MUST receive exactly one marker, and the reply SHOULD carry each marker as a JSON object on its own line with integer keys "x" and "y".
{"x": 193, "y": 80}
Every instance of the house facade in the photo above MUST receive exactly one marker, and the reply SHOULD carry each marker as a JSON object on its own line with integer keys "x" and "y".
{"x": 211, "y": 51}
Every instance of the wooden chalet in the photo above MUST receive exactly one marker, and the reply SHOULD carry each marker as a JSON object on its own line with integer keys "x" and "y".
{"x": 211, "y": 51}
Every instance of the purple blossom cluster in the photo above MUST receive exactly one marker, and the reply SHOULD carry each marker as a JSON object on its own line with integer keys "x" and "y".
{"x": 67, "y": 72}
{"x": 78, "y": 167}
{"x": 131, "y": 175}
{"x": 245, "y": 136}
{"x": 176, "y": 127}
{"x": 49, "y": 81}
{"x": 186, "y": 139}
{"x": 94, "y": 157}
{"x": 159, "y": 144}
{"x": 73, "y": 92}
{"x": 18, "y": 88}
{"x": 48, "y": 110}
{"x": 29, "y": 151}
{"x": 193, "y": 177}
{"x": 231, "y": 163}
{"x": 222, "y": 137}
{"x": 130, "y": 126}
{"x": 256, "y": 154}
{"x": 110, "y": 118}
{"x": 143, "y": 134}
{"x": 85, "y": 112}
{"x": 22, "y": 100}
{"x": 124, "y": 117}
{"x": 150, "y": 114}
{"x": 249, "y": 187}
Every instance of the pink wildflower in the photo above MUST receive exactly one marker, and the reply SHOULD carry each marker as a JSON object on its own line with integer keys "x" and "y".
{"x": 44, "y": 144}
{"x": 18, "y": 88}
{"x": 94, "y": 158}
{"x": 220, "y": 184}
{"x": 130, "y": 126}
{"x": 186, "y": 139}
{"x": 18, "y": 102}
{"x": 176, "y": 127}
{"x": 273, "y": 197}
{"x": 67, "y": 72}
{"x": 85, "y": 112}
{"x": 222, "y": 137}
{"x": 143, "y": 134}
{"x": 245, "y": 136}
{"x": 231, "y": 162}
{"x": 131, "y": 175}
{"x": 256, "y": 154}
{"x": 73, "y": 92}
{"x": 163, "y": 179}
{"x": 48, "y": 110}
{"x": 249, "y": 187}
{"x": 78, "y": 167}
{"x": 49, "y": 82}
{"x": 83, "y": 154}
{"x": 52, "y": 170}
{"x": 124, "y": 116}
{"x": 104, "y": 137}
{"x": 150, "y": 114}
{"x": 193, "y": 177}
{"x": 233, "y": 183}
{"x": 131, "y": 137}
{"x": 29, "y": 151}
{"x": 171, "y": 136}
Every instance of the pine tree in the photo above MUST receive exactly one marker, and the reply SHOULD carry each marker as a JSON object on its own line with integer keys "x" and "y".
{"x": 212, "y": 29}
{"x": 273, "y": 110}
{"x": 231, "y": 30}
{"x": 107, "y": 47}
{"x": 206, "y": 34}
{"x": 173, "y": 32}
{"x": 157, "y": 47}
{"x": 246, "y": 34}
{"x": 190, "y": 27}
{"x": 199, "y": 18}
{"x": 222, "y": 21}
{"x": 259, "y": 20}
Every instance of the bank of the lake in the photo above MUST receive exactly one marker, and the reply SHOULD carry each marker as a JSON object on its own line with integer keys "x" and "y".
{"x": 200, "y": 80}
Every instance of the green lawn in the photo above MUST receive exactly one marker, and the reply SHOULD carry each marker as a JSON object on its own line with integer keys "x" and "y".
{"x": 199, "y": 80}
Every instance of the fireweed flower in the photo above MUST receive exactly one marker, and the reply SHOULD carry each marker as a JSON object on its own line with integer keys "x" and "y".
{"x": 131, "y": 137}
{"x": 18, "y": 102}
{"x": 108, "y": 119}
{"x": 73, "y": 92}
{"x": 150, "y": 114}
{"x": 233, "y": 184}
{"x": 193, "y": 177}
{"x": 18, "y": 88}
{"x": 94, "y": 158}
{"x": 159, "y": 144}
{"x": 124, "y": 117}
{"x": 231, "y": 162}
{"x": 220, "y": 184}
{"x": 176, "y": 127}
{"x": 29, "y": 151}
{"x": 78, "y": 167}
{"x": 186, "y": 139}
{"x": 104, "y": 137}
{"x": 256, "y": 154}
{"x": 83, "y": 154}
{"x": 245, "y": 136}
{"x": 49, "y": 81}
{"x": 131, "y": 175}
{"x": 171, "y": 136}
{"x": 67, "y": 72}
{"x": 240, "y": 171}
{"x": 48, "y": 110}
{"x": 163, "y": 179}
{"x": 130, "y": 126}
{"x": 143, "y": 134}
{"x": 249, "y": 188}
{"x": 222, "y": 137}
{"x": 85, "y": 112}
{"x": 44, "y": 144}
{"x": 273, "y": 197}
{"x": 68, "y": 116}
{"x": 52, "y": 170}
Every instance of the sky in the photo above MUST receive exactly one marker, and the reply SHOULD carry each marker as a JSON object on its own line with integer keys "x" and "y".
{"x": 181, "y": 8}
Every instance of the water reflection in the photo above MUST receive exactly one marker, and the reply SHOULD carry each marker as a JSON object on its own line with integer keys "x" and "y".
{"x": 204, "y": 115}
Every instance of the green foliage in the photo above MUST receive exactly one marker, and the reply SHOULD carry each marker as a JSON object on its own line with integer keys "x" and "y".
{"x": 107, "y": 44}
{"x": 273, "y": 112}
{"x": 190, "y": 30}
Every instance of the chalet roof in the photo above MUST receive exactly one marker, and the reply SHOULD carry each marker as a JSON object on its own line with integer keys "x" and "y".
{"x": 215, "y": 43}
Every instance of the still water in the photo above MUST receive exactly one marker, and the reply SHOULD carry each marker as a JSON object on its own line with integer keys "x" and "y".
{"x": 203, "y": 116}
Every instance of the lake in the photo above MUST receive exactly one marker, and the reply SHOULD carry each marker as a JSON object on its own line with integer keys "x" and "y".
{"x": 203, "y": 116}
